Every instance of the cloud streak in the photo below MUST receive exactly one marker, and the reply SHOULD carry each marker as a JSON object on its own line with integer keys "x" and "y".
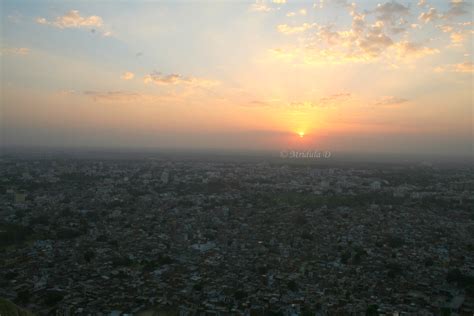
{"x": 287, "y": 29}
{"x": 15, "y": 51}
{"x": 390, "y": 100}
{"x": 466, "y": 67}
{"x": 73, "y": 19}
{"x": 127, "y": 75}
{"x": 415, "y": 50}
{"x": 176, "y": 79}
{"x": 333, "y": 99}
{"x": 112, "y": 96}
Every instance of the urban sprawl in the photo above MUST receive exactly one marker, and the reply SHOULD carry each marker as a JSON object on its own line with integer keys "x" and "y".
{"x": 221, "y": 237}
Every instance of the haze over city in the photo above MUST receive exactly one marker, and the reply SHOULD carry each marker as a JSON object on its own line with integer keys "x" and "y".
{"x": 391, "y": 77}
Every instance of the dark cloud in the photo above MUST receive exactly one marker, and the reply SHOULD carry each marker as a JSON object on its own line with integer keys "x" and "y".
{"x": 391, "y": 11}
{"x": 457, "y": 8}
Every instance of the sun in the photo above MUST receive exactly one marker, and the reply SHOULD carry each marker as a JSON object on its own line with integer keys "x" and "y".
{"x": 301, "y": 134}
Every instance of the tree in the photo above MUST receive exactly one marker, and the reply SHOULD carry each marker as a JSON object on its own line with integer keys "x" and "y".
{"x": 428, "y": 262}
{"x": 395, "y": 241}
{"x": 372, "y": 310}
{"x": 67, "y": 233}
{"x": 462, "y": 280}
{"x": 89, "y": 255}
{"x": 53, "y": 297}
{"x": 23, "y": 297}
{"x": 240, "y": 295}
{"x": 345, "y": 256}
{"x": 357, "y": 258}
{"x": 11, "y": 234}
{"x": 306, "y": 311}
{"x": 300, "y": 219}
{"x": 197, "y": 287}
{"x": 292, "y": 285}
{"x": 394, "y": 269}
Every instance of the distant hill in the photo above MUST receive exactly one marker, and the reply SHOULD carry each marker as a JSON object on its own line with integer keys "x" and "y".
{"x": 7, "y": 308}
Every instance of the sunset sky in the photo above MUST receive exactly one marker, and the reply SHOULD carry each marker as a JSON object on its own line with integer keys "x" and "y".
{"x": 366, "y": 76}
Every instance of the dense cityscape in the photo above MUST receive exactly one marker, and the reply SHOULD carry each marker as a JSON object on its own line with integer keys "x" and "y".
{"x": 156, "y": 236}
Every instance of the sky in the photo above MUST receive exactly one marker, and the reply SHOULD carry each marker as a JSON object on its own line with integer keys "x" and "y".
{"x": 333, "y": 75}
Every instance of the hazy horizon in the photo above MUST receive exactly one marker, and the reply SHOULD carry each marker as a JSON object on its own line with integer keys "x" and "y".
{"x": 325, "y": 159}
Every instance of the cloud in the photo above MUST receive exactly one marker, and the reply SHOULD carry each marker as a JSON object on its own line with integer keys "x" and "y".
{"x": 257, "y": 103}
{"x": 69, "y": 92}
{"x": 390, "y": 100}
{"x": 175, "y": 79}
{"x": 115, "y": 96}
{"x": 411, "y": 49}
{"x": 127, "y": 75}
{"x": 457, "y": 37}
{"x": 317, "y": 57}
{"x": 390, "y": 10}
{"x": 457, "y": 8}
{"x": 15, "y": 51}
{"x": 421, "y": 3}
{"x": 377, "y": 41}
{"x": 429, "y": 16}
{"x": 15, "y": 17}
{"x": 361, "y": 42}
{"x": 302, "y": 105}
{"x": 326, "y": 34}
{"x": 458, "y": 32}
{"x": 287, "y": 29}
{"x": 320, "y": 5}
{"x": 299, "y": 12}
{"x": 260, "y": 6}
{"x": 324, "y": 102}
{"x": 342, "y": 3}
{"x": 73, "y": 19}
{"x": 118, "y": 96}
{"x": 333, "y": 99}
{"x": 466, "y": 67}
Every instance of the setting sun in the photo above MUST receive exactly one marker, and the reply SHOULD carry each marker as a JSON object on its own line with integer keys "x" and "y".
{"x": 301, "y": 134}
